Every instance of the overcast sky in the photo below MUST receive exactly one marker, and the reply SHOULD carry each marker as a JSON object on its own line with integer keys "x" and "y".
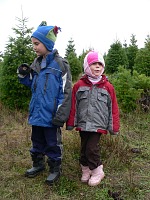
{"x": 90, "y": 23}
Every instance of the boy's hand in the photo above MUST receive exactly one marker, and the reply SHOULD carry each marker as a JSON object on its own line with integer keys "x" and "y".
{"x": 57, "y": 123}
{"x": 24, "y": 69}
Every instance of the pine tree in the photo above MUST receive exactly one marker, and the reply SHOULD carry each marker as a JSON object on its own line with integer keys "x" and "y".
{"x": 18, "y": 50}
{"x": 142, "y": 60}
{"x": 75, "y": 66}
{"x": 131, "y": 53}
{"x": 147, "y": 42}
{"x": 116, "y": 57}
{"x": 70, "y": 48}
{"x": 74, "y": 62}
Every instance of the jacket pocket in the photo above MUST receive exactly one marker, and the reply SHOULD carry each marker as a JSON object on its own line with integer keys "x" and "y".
{"x": 82, "y": 105}
{"x": 102, "y": 96}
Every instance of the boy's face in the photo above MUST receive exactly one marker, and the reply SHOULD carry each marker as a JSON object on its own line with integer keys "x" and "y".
{"x": 96, "y": 69}
{"x": 39, "y": 47}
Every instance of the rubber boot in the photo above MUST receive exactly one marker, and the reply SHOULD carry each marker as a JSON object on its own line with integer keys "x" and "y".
{"x": 96, "y": 176}
{"x": 38, "y": 165}
{"x": 55, "y": 171}
{"x": 86, "y": 173}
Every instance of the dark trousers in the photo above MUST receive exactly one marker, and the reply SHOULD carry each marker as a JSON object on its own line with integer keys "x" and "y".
{"x": 90, "y": 150}
{"x": 47, "y": 141}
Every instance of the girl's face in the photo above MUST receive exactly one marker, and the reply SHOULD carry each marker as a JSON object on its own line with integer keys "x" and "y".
{"x": 96, "y": 69}
{"x": 39, "y": 47}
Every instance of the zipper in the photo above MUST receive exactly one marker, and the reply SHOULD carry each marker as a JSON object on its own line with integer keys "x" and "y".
{"x": 34, "y": 86}
{"x": 53, "y": 114}
{"x": 45, "y": 86}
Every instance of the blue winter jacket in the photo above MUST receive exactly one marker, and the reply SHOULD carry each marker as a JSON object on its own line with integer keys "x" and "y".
{"x": 51, "y": 91}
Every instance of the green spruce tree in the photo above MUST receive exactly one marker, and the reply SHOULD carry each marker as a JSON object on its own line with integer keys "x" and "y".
{"x": 131, "y": 53}
{"x": 18, "y": 50}
{"x": 142, "y": 60}
{"x": 116, "y": 57}
{"x": 70, "y": 48}
{"x": 74, "y": 62}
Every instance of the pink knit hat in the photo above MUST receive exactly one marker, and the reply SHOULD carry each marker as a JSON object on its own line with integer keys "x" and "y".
{"x": 90, "y": 58}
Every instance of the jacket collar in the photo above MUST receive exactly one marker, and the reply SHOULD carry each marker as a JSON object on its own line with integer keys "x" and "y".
{"x": 85, "y": 79}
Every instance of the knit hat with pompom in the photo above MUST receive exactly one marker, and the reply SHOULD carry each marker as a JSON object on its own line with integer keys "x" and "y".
{"x": 46, "y": 34}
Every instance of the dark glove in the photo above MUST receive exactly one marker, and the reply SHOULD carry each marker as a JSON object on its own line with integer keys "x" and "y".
{"x": 24, "y": 69}
{"x": 57, "y": 123}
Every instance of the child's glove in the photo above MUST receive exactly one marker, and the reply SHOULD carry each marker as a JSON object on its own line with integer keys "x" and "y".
{"x": 24, "y": 69}
{"x": 57, "y": 123}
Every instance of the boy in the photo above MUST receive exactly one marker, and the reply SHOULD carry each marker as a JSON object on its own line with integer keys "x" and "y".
{"x": 49, "y": 78}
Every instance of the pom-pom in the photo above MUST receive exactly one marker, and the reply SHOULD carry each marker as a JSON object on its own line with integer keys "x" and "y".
{"x": 43, "y": 23}
{"x": 56, "y": 29}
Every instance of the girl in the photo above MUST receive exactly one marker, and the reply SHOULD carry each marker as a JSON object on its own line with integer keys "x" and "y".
{"x": 94, "y": 111}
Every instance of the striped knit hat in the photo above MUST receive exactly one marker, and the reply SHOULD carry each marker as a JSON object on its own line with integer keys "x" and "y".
{"x": 46, "y": 34}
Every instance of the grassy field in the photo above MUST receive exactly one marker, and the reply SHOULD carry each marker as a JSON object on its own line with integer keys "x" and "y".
{"x": 126, "y": 160}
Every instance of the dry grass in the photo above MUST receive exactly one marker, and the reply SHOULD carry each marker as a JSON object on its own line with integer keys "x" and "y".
{"x": 127, "y": 171}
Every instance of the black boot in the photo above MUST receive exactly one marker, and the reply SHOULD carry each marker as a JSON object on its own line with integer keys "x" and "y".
{"x": 38, "y": 165}
{"x": 55, "y": 171}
